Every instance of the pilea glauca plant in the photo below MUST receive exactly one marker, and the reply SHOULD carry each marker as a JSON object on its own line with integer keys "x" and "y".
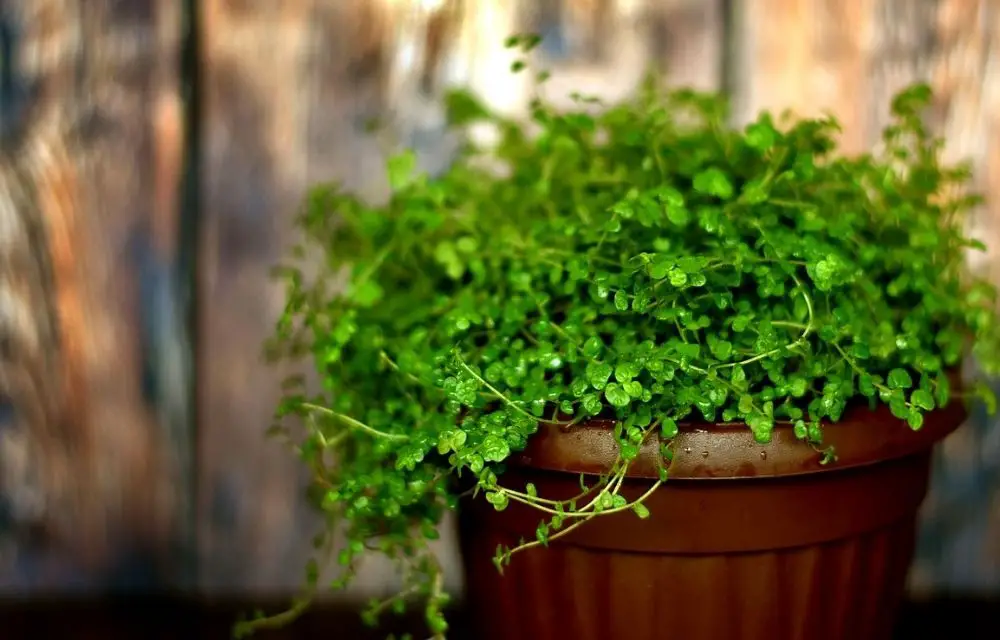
{"x": 641, "y": 261}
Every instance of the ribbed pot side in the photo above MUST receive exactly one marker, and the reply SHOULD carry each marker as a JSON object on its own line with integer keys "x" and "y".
{"x": 744, "y": 541}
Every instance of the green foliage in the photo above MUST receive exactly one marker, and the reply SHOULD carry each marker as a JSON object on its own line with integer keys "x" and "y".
{"x": 649, "y": 264}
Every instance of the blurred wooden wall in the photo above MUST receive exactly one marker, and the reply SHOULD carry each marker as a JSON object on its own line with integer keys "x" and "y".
{"x": 89, "y": 167}
{"x": 284, "y": 91}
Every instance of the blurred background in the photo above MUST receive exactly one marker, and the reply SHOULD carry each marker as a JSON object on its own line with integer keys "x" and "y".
{"x": 154, "y": 152}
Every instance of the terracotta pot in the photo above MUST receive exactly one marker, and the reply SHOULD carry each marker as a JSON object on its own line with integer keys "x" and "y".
{"x": 744, "y": 542}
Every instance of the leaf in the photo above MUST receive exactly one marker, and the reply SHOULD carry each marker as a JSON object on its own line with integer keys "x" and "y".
{"x": 367, "y": 293}
{"x": 860, "y": 350}
{"x": 463, "y": 108}
{"x": 900, "y": 379}
{"x": 866, "y": 385}
{"x": 897, "y": 406}
{"x": 721, "y": 349}
{"x": 495, "y": 449}
{"x": 754, "y": 192}
{"x": 616, "y": 395}
{"x": 592, "y": 404}
{"x": 625, "y": 371}
{"x": 689, "y": 350}
{"x": 542, "y": 534}
{"x": 451, "y": 440}
{"x": 823, "y": 273}
{"x": 677, "y": 277}
{"x": 746, "y": 404}
{"x": 761, "y": 426}
{"x": 621, "y": 300}
{"x": 761, "y": 135}
{"x": 670, "y": 197}
{"x": 445, "y": 253}
{"x": 713, "y": 182}
{"x": 530, "y": 41}
{"x": 800, "y": 430}
{"x": 598, "y": 374}
{"x": 476, "y": 463}
{"x": 400, "y": 169}
{"x": 668, "y": 428}
{"x": 738, "y": 377}
{"x": 741, "y": 323}
{"x": 678, "y": 215}
{"x": 798, "y": 386}
{"x": 640, "y": 510}
{"x": 922, "y": 399}
{"x": 498, "y": 499}
{"x": 593, "y": 347}
{"x": 659, "y": 270}
{"x": 942, "y": 392}
{"x": 640, "y": 300}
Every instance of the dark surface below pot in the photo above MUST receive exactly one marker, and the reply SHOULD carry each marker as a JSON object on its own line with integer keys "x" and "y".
{"x": 176, "y": 616}
{"x": 745, "y": 541}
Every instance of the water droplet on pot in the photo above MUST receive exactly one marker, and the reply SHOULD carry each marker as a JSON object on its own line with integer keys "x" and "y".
{"x": 704, "y": 454}
{"x": 687, "y": 449}
{"x": 763, "y": 455}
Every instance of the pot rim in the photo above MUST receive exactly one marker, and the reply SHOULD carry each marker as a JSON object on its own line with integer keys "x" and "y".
{"x": 727, "y": 451}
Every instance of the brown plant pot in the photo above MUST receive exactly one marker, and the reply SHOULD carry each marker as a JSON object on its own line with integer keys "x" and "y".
{"x": 744, "y": 541}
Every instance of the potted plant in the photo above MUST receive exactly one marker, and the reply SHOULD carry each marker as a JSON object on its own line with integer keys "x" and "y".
{"x": 680, "y": 380}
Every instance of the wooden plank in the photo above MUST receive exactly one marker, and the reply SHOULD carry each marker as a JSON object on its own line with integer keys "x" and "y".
{"x": 683, "y": 38}
{"x": 278, "y": 97}
{"x": 962, "y": 515}
{"x": 807, "y": 56}
{"x": 849, "y": 58}
{"x": 86, "y": 164}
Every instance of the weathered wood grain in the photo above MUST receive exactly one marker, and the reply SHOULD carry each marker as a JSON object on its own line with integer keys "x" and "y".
{"x": 280, "y": 110}
{"x": 612, "y": 43}
{"x": 963, "y": 509}
{"x": 85, "y": 157}
{"x": 806, "y": 56}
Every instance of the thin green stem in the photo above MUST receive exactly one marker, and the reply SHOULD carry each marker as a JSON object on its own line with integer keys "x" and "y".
{"x": 510, "y": 403}
{"x": 858, "y": 370}
{"x": 355, "y": 424}
{"x": 806, "y": 330}
{"x": 562, "y": 532}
